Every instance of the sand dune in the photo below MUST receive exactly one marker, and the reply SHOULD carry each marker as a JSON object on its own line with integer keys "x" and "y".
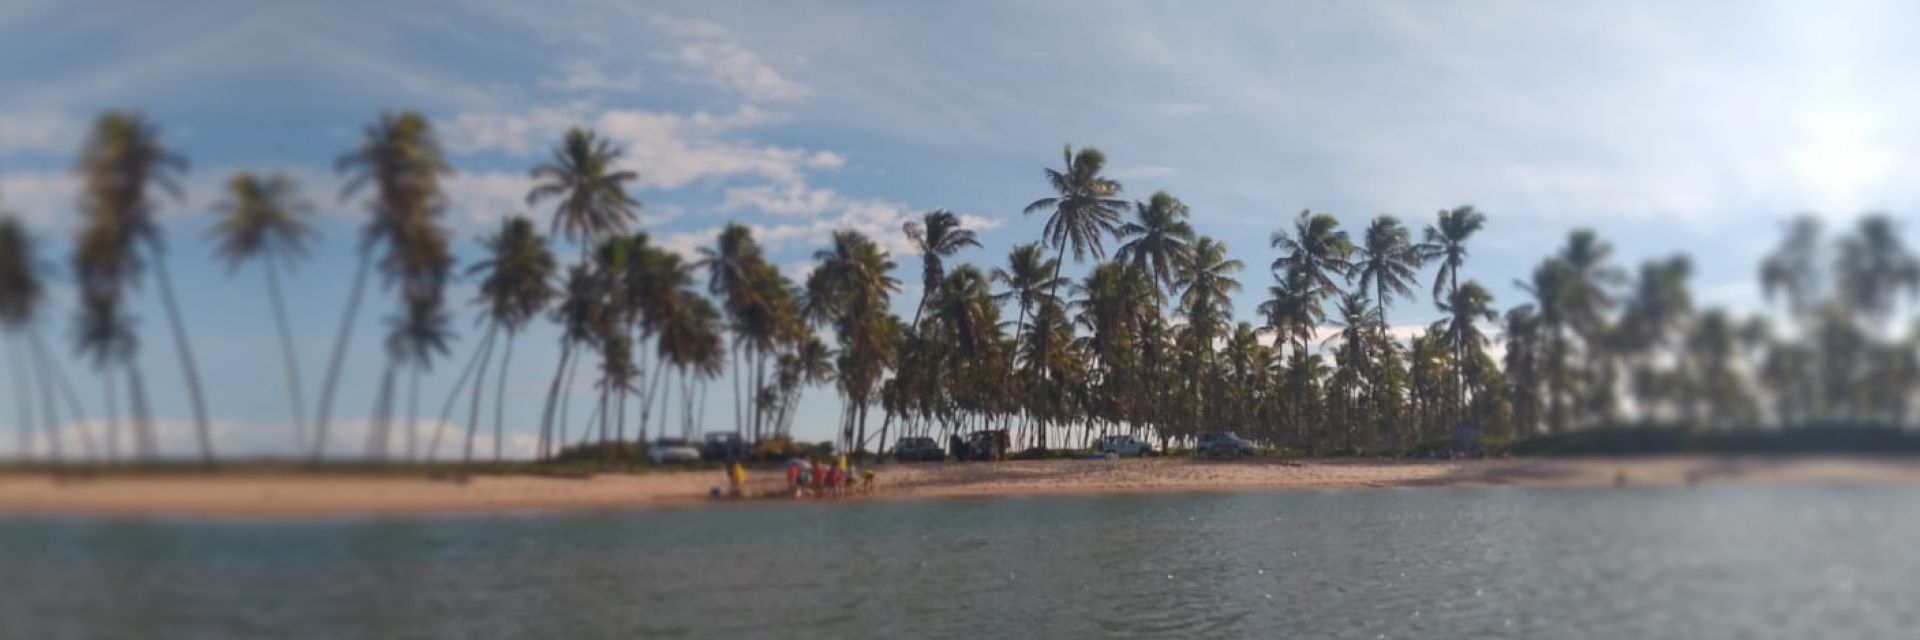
{"x": 294, "y": 494}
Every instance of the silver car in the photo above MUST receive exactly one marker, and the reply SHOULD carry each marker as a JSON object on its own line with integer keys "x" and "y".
{"x": 666, "y": 450}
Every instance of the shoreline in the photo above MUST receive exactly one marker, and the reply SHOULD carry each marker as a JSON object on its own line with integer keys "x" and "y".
{"x": 283, "y": 493}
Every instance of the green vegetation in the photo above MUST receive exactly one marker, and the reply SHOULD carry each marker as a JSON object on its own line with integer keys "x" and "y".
{"x": 1146, "y": 342}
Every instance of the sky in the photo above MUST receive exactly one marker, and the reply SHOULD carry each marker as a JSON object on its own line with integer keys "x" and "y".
{"x": 1664, "y": 126}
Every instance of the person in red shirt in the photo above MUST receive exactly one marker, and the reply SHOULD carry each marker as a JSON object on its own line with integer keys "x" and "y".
{"x": 833, "y": 480}
{"x": 819, "y": 477}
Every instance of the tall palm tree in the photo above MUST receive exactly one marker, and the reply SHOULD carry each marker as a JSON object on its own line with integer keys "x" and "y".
{"x": 1030, "y": 279}
{"x": 1206, "y": 285}
{"x": 1317, "y": 249}
{"x": 516, "y": 285}
{"x": 1446, "y": 242}
{"x": 937, "y": 235}
{"x": 1387, "y": 265}
{"x": 732, "y": 265}
{"x": 262, "y": 219}
{"x": 415, "y": 340}
{"x": 593, "y": 201}
{"x": 1462, "y": 307}
{"x": 401, "y": 158}
{"x": 21, "y": 295}
{"x": 1084, "y": 207}
{"x": 1158, "y": 237}
{"x": 849, "y": 289}
{"x": 578, "y": 313}
{"x": 1874, "y": 268}
{"x": 123, "y": 157}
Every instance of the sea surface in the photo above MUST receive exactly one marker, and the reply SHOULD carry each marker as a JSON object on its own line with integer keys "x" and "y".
{"x": 1709, "y": 562}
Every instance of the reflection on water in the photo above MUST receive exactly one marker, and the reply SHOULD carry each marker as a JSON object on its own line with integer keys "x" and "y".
{"x": 1505, "y": 563}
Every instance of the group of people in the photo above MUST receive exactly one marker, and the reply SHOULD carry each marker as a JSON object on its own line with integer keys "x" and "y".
{"x": 806, "y": 479}
{"x": 820, "y": 480}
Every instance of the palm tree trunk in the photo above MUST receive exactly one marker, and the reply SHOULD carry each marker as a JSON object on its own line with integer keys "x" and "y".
{"x": 604, "y": 451}
{"x": 566, "y": 402}
{"x": 338, "y": 359}
{"x": 545, "y": 450}
{"x": 202, "y": 432}
{"x": 500, "y": 398}
{"x": 23, "y": 399}
{"x": 147, "y": 442}
{"x": 759, "y": 383}
{"x": 382, "y": 416}
{"x": 739, "y": 423}
{"x": 885, "y": 425}
{"x": 113, "y": 418}
{"x": 58, "y": 377}
{"x": 413, "y": 406}
{"x": 473, "y": 408}
{"x": 288, "y": 355}
{"x": 453, "y": 395}
{"x": 49, "y": 411}
{"x": 860, "y": 440}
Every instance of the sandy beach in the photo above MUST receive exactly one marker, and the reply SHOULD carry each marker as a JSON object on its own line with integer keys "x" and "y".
{"x": 294, "y": 494}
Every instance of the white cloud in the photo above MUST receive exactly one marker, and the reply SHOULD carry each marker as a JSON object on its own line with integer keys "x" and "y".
{"x": 581, "y": 74}
{"x": 42, "y": 200}
{"x": 39, "y": 131}
{"x": 480, "y": 200}
{"x": 715, "y": 51}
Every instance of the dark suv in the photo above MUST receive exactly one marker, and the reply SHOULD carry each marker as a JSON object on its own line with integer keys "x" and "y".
{"x": 1222, "y": 444}
{"x": 723, "y": 446}
{"x": 917, "y": 448}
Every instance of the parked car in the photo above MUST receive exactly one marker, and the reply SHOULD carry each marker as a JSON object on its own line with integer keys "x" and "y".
{"x": 1222, "y": 444}
{"x": 981, "y": 446}
{"x": 910, "y": 449}
{"x": 1124, "y": 446}
{"x": 665, "y": 450}
{"x": 723, "y": 446}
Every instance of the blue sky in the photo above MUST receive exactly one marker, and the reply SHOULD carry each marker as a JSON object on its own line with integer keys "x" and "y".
{"x": 1666, "y": 126}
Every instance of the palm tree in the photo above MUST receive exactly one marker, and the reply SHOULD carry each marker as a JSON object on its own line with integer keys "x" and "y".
{"x": 1549, "y": 285}
{"x": 1084, "y": 207}
{"x": 594, "y": 204}
{"x": 1317, "y": 250}
{"x": 849, "y": 290}
{"x": 578, "y": 313}
{"x": 1387, "y": 265}
{"x": 401, "y": 158}
{"x": 1159, "y": 236}
{"x": 937, "y": 235}
{"x": 1462, "y": 307}
{"x": 1027, "y": 280}
{"x": 21, "y": 294}
{"x": 732, "y": 265}
{"x": 1875, "y": 266}
{"x": 122, "y": 158}
{"x": 1206, "y": 284}
{"x": 1446, "y": 242}
{"x": 1584, "y": 306}
{"x": 516, "y": 286}
{"x": 262, "y": 219}
{"x": 415, "y": 340}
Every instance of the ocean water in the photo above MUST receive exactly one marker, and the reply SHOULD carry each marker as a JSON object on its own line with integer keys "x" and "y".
{"x": 1709, "y": 562}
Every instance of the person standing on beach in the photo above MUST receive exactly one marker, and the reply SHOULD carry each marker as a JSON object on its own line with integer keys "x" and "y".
{"x": 737, "y": 478}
